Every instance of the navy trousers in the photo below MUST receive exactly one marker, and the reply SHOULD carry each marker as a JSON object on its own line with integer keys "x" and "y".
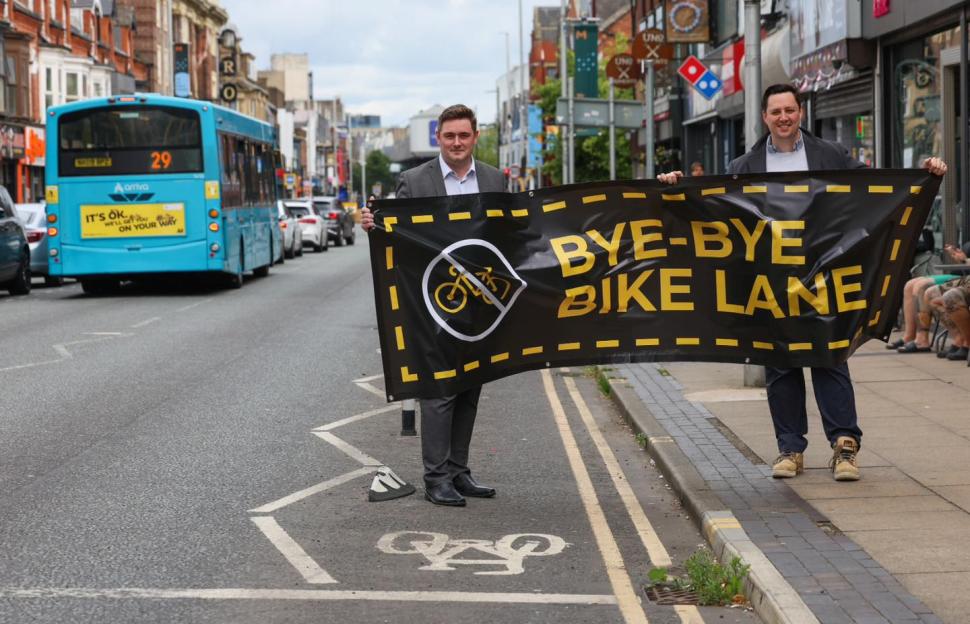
{"x": 446, "y": 435}
{"x": 833, "y": 393}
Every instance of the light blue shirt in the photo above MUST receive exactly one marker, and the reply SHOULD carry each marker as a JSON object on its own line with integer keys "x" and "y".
{"x": 779, "y": 162}
{"x": 455, "y": 185}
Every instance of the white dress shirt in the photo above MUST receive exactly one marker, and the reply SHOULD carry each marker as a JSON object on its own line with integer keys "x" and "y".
{"x": 455, "y": 185}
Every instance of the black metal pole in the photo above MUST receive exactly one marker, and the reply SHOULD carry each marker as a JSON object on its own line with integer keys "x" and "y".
{"x": 964, "y": 134}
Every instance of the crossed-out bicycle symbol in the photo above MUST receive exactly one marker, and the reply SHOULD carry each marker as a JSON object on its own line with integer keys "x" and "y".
{"x": 452, "y": 297}
{"x": 442, "y": 552}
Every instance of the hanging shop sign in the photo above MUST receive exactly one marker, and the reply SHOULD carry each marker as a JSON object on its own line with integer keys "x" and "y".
{"x": 624, "y": 70}
{"x": 688, "y": 21}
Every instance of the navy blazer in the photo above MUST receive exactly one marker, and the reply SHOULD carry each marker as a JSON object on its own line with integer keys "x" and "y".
{"x": 425, "y": 180}
{"x": 821, "y": 155}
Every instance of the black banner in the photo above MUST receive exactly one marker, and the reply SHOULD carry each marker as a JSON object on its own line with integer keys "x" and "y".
{"x": 794, "y": 269}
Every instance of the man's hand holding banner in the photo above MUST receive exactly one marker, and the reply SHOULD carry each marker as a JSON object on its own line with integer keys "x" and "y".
{"x": 794, "y": 269}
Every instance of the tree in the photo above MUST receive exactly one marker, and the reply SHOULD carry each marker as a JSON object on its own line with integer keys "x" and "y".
{"x": 592, "y": 152}
{"x": 486, "y": 150}
{"x": 378, "y": 170}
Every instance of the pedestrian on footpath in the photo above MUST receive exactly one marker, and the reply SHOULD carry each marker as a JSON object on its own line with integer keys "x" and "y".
{"x": 447, "y": 422}
{"x": 789, "y": 147}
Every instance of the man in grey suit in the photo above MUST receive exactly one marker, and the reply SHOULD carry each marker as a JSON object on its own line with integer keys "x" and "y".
{"x": 447, "y": 423}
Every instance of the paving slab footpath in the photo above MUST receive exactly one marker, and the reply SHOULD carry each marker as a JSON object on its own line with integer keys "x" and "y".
{"x": 893, "y": 547}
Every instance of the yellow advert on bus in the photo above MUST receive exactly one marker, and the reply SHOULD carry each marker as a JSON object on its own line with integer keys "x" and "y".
{"x": 128, "y": 220}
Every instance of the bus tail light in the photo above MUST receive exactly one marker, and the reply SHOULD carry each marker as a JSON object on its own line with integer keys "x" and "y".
{"x": 214, "y": 213}
{"x": 52, "y": 218}
{"x": 214, "y": 247}
{"x": 34, "y": 236}
{"x": 52, "y": 231}
{"x": 214, "y": 227}
{"x": 53, "y": 252}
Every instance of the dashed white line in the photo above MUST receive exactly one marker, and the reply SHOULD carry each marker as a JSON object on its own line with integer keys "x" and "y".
{"x": 193, "y": 305}
{"x": 128, "y": 593}
{"x": 146, "y": 322}
{"x": 315, "y": 489}
{"x": 294, "y": 553}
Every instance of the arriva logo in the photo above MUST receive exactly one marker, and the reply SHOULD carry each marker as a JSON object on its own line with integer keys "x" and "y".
{"x": 132, "y": 192}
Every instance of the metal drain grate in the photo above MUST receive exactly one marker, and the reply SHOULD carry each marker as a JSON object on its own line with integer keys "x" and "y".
{"x": 663, "y": 595}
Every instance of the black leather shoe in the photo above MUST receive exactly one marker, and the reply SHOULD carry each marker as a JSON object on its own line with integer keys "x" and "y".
{"x": 444, "y": 494}
{"x": 467, "y": 486}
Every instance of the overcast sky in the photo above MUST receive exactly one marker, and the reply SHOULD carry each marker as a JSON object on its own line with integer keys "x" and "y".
{"x": 391, "y": 57}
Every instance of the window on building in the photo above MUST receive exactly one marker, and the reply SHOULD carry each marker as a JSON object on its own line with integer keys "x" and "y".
{"x": 84, "y": 86}
{"x": 48, "y": 87}
{"x": 71, "y": 87}
{"x": 98, "y": 89}
{"x": 11, "y": 86}
{"x": 52, "y": 9}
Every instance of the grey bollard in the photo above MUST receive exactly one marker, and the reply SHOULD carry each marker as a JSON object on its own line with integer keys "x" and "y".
{"x": 407, "y": 417}
{"x": 754, "y": 376}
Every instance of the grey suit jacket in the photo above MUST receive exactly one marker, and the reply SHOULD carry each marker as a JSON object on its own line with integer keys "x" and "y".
{"x": 425, "y": 180}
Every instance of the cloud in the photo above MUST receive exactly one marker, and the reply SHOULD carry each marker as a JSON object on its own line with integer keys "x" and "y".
{"x": 391, "y": 57}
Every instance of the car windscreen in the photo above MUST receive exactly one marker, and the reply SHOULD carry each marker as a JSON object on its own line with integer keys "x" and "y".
{"x": 322, "y": 206}
{"x": 129, "y": 140}
{"x": 298, "y": 211}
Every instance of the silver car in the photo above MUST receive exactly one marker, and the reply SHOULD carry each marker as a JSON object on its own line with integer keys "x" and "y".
{"x": 35, "y": 223}
{"x": 292, "y": 230}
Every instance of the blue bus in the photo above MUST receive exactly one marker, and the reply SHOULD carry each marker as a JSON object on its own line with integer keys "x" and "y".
{"x": 145, "y": 185}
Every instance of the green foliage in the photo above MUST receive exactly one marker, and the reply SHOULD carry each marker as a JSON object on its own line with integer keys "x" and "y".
{"x": 378, "y": 170}
{"x": 486, "y": 150}
{"x": 714, "y": 583}
{"x": 592, "y": 153}
{"x": 641, "y": 439}
{"x": 657, "y": 575}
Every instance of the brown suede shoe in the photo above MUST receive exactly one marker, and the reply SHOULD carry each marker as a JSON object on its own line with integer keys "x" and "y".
{"x": 787, "y": 465}
{"x": 843, "y": 464}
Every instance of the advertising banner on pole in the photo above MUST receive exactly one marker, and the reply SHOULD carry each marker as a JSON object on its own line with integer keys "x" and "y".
{"x": 586, "y": 48}
{"x": 793, "y": 269}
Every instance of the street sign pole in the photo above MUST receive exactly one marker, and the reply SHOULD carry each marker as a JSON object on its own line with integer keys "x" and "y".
{"x": 754, "y": 376}
{"x": 562, "y": 80}
{"x": 648, "y": 122}
{"x": 612, "y": 135}
{"x": 571, "y": 134}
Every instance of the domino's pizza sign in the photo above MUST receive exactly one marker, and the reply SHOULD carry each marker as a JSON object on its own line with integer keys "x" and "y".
{"x": 700, "y": 77}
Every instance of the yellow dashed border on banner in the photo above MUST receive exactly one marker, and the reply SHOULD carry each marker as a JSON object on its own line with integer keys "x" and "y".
{"x": 399, "y": 336}
{"x": 569, "y": 346}
{"x": 520, "y": 212}
{"x": 648, "y": 342}
{"x": 895, "y": 252}
{"x": 389, "y": 258}
{"x": 800, "y": 346}
{"x": 673, "y": 197}
{"x": 470, "y": 366}
{"x": 688, "y": 342}
{"x": 407, "y": 376}
{"x": 459, "y": 216}
{"x": 878, "y": 188}
{"x": 416, "y": 219}
{"x": 532, "y": 351}
{"x": 634, "y": 195}
{"x": 754, "y": 189}
{"x": 838, "y": 344}
{"x": 499, "y": 357}
{"x": 875, "y": 319}
{"x": 559, "y": 205}
{"x": 915, "y": 190}
{"x": 838, "y": 188}
{"x": 389, "y": 223}
{"x": 726, "y": 342}
{"x": 494, "y": 213}
{"x": 796, "y": 188}
{"x": 717, "y": 190}
{"x": 592, "y": 199}
{"x": 393, "y": 293}
{"x": 764, "y": 346}
{"x": 885, "y": 285}
{"x": 446, "y": 374}
{"x": 906, "y": 215}
{"x": 607, "y": 344}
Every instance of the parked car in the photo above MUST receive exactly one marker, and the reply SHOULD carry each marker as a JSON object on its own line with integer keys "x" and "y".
{"x": 340, "y": 222}
{"x": 34, "y": 217}
{"x": 14, "y": 251}
{"x": 313, "y": 226}
{"x": 292, "y": 231}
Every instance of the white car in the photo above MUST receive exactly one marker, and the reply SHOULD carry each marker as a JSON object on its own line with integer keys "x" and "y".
{"x": 312, "y": 224}
{"x": 292, "y": 231}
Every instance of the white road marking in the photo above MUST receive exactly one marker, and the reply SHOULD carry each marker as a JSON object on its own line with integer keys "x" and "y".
{"x": 128, "y": 593}
{"x": 352, "y": 419}
{"x": 293, "y": 552}
{"x": 366, "y": 379}
{"x": 627, "y": 598}
{"x": 443, "y": 552}
{"x": 310, "y": 491}
{"x": 372, "y": 389}
{"x": 658, "y": 554}
{"x": 349, "y": 449}
{"x": 655, "y": 549}
{"x": 193, "y": 305}
{"x": 154, "y": 319}
{"x": 62, "y": 350}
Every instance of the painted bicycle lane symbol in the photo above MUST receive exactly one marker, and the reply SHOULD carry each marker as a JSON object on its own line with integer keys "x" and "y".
{"x": 443, "y": 552}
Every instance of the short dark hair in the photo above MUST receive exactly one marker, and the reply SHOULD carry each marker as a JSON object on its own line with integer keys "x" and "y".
{"x": 776, "y": 89}
{"x": 458, "y": 111}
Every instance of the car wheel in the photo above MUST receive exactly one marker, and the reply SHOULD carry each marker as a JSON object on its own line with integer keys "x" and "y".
{"x": 353, "y": 237}
{"x": 20, "y": 285}
{"x": 299, "y": 252}
{"x": 339, "y": 240}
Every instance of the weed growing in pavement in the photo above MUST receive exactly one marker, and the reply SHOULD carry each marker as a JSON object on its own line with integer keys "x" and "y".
{"x": 714, "y": 583}
{"x": 641, "y": 439}
{"x": 663, "y": 372}
{"x": 599, "y": 373}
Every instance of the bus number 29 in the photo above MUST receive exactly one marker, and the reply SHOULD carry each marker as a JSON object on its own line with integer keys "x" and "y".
{"x": 161, "y": 160}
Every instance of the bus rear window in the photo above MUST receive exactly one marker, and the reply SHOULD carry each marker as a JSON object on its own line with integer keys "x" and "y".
{"x": 126, "y": 140}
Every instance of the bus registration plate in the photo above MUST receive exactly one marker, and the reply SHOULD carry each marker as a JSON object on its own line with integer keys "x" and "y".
{"x": 127, "y": 220}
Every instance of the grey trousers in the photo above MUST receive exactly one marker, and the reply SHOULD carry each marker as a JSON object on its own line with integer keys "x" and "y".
{"x": 446, "y": 434}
